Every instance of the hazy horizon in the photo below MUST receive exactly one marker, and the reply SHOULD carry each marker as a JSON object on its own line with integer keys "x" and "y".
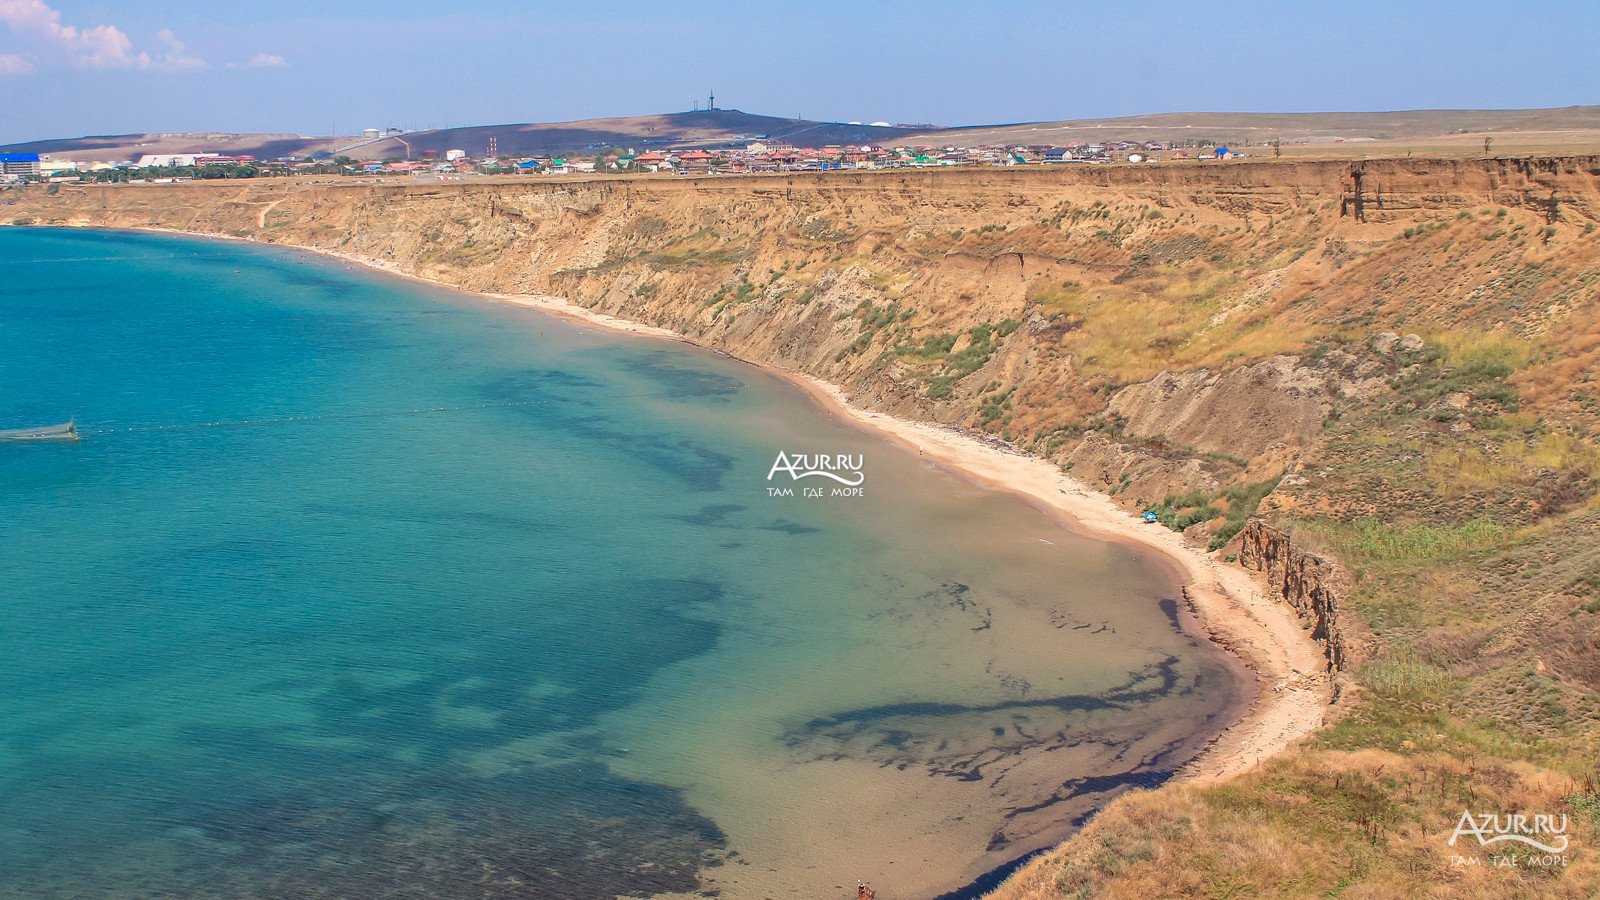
{"x": 79, "y": 67}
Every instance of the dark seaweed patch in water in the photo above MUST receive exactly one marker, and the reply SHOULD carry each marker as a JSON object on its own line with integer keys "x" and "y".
{"x": 1170, "y": 607}
{"x": 570, "y": 832}
{"x": 861, "y": 718}
{"x": 649, "y": 624}
{"x": 959, "y": 740}
{"x": 988, "y": 881}
{"x": 1149, "y": 775}
{"x": 1148, "y": 684}
{"x": 787, "y": 527}
{"x": 1144, "y": 776}
{"x": 676, "y": 380}
{"x": 695, "y": 464}
{"x": 326, "y": 284}
{"x": 472, "y": 517}
{"x": 717, "y": 516}
{"x": 371, "y": 797}
{"x": 711, "y": 516}
{"x": 537, "y": 384}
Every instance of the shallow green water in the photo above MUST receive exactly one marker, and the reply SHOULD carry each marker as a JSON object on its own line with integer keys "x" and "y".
{"x": 360, "y": 588}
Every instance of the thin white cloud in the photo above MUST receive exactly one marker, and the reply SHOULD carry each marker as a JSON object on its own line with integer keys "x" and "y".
{"x": 260, "y": 61}
{"x": 174, "y": 58}
{"x": 100, "y": 47}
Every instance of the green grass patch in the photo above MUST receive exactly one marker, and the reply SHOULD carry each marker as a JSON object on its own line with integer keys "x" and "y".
{"x": 1374, "y": 540}
{"x": 983, "y": 341}
{"x": 1243, "y": 499}
{"x": 1407, "y": 680}
{"x": 996, "y": 406}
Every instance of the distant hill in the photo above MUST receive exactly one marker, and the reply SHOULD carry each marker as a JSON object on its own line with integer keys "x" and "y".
{"x": 114, "y": 147}
{"x": 705, "y": 128}
{"x": 725, "y": 127}
{"x": 1258, "y": 127}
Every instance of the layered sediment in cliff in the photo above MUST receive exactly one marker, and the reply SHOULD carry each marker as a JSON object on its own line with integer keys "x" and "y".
{"x": 1312, "y": 584}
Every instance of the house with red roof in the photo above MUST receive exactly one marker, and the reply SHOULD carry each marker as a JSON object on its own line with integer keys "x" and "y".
{"x": 652, "y": 162}
{"x": 695, "y": 162}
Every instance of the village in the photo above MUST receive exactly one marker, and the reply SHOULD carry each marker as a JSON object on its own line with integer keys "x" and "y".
{"x": 753, "y": 157}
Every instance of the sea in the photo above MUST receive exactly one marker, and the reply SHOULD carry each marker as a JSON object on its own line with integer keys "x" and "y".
{"x": 360, "y": 587}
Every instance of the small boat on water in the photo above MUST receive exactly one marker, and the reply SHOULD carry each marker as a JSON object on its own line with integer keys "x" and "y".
{"x": 67, "y": 432}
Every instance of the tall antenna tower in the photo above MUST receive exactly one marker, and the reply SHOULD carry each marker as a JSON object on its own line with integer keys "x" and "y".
{"x": 494, "y": 147}
{"x": 712, "y": 103}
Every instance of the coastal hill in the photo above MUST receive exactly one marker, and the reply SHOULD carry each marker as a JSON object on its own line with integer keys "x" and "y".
{"x": 1568, "y": 130}
{"x": 703, "y": 128}
{"x": 1370, "y": 384}
{"x": 120, "y": 147}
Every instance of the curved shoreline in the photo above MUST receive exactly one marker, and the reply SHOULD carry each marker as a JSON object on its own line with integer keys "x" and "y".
{"x": 1291, "y": 687}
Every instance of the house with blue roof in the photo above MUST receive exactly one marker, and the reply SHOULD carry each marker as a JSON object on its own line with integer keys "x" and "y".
{"x": 19, "y": 165}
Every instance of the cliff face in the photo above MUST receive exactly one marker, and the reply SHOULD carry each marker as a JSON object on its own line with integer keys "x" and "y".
{"x": 1308, "y": 582}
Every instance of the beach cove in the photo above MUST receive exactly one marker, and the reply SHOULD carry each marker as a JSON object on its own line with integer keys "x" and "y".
{"x": 799, "y": 693}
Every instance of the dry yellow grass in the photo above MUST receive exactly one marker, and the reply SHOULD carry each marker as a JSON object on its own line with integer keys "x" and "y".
{"x": 1370, "y": 823}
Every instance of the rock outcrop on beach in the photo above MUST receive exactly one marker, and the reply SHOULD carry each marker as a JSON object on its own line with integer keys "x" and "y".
{"x": 1395, "y": 373}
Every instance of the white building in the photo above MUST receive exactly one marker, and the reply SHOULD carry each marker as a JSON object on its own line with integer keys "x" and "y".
{"x": 453, "y": 155}
{"x": 168, "y": 159}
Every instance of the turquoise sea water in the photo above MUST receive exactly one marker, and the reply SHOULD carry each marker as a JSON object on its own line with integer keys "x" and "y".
{"x": 357, "y": 587}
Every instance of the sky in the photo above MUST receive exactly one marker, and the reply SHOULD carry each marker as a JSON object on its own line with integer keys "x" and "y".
{"x": 76, "y": 67}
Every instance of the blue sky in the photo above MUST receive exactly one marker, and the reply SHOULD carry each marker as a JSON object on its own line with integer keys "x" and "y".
{"x": 71, "y": 67}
